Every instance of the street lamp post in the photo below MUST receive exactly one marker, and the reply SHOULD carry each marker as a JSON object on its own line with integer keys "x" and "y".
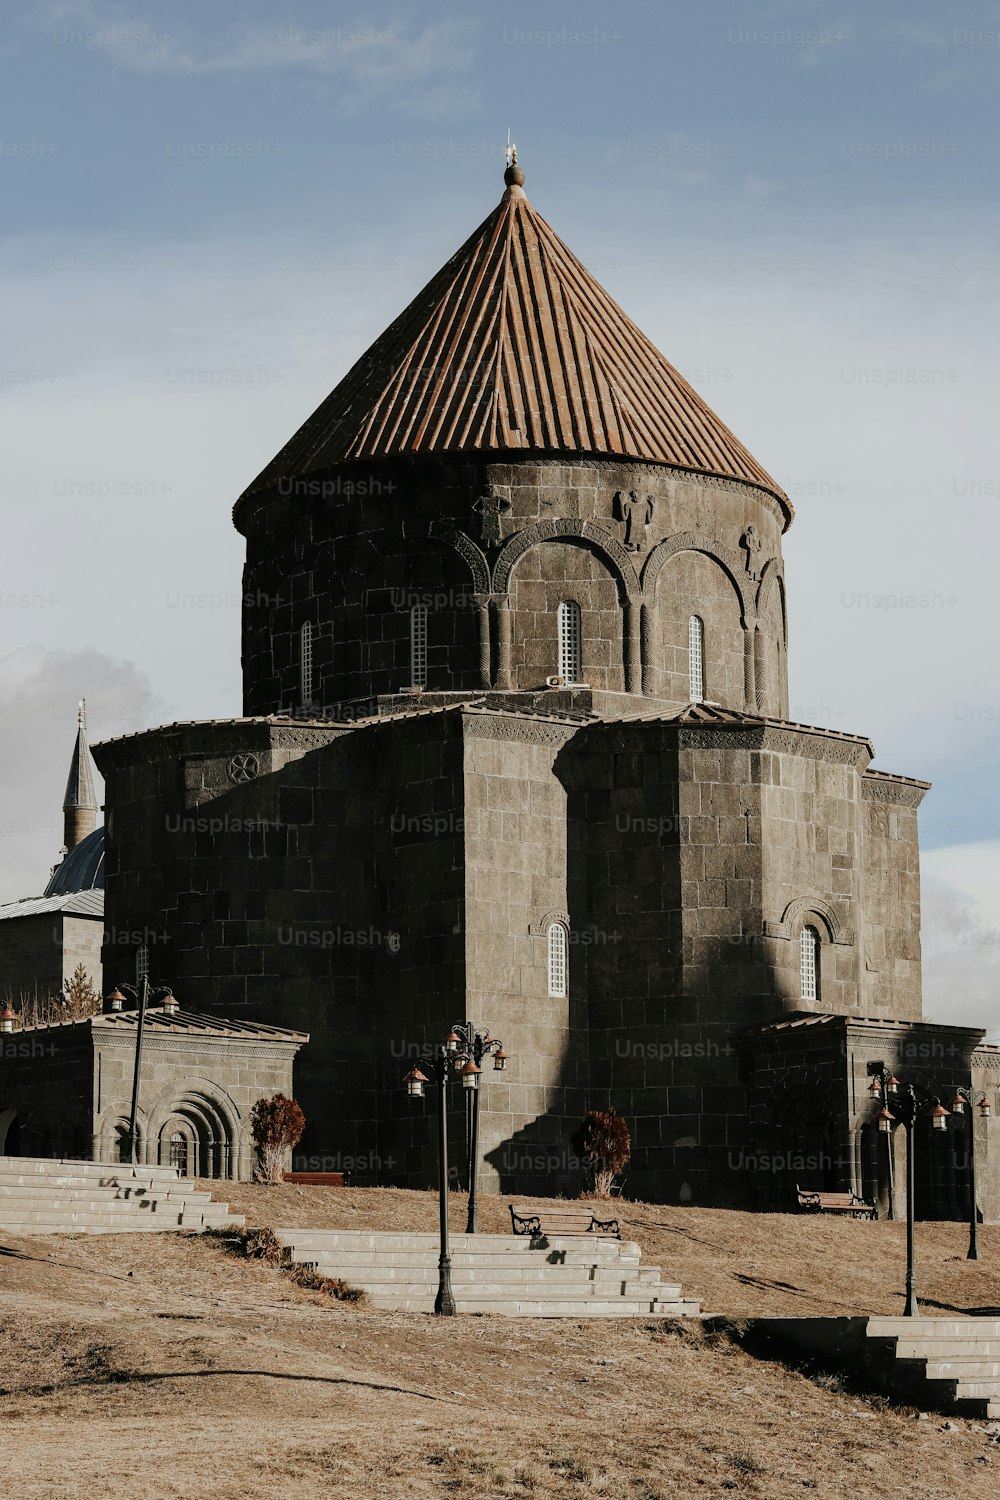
{"x": 140, "y": 994}
{"x": 455, "y": 1056}
{"x": 908, "y": 1108}
{"x": 469, "y": 1046}
{"x": 962, "y": 1098}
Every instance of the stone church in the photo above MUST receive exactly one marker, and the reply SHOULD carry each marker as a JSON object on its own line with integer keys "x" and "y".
{"x": 517, "y": 747}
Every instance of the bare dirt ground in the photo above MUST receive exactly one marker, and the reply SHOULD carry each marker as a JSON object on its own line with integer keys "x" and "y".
{"x": 162, "y": 1366}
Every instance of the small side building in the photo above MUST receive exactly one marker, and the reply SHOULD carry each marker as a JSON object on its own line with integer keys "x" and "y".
{"x": 66, "y": 1089}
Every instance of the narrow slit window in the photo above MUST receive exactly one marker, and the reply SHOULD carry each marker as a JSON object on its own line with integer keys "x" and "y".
{"x": 809, "y": 963}
{"x": 696, "y": 659}
{"x": 557, "y": 960}
{"x": 306, "y": 664}
{"x": 418, "y": 645}
{"x": 570, "y": 638}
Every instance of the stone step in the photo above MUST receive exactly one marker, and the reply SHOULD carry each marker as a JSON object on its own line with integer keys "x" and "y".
{"x": 966, "y": 1367}
{"x": 123, "y": 1192}
{"x": 947, "y": 1348}
{"x": 391, "y": 1243}
{"x": 608, "y": 1281}
{"x": 933, "y": 1328}
{"x": 517, "y": 1307}
{"x": 585, "y": 1291}
{"x": 41, "y": 1166}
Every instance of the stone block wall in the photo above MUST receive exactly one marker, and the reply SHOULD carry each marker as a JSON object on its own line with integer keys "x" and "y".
{"x": 46, "y": 1086}
{"x": 82, "y": 939}
{"x": 518, "y": 833}
{"x": 31, "y": 957}
{"x": 494, "y": 548}
{"x": 891, "y": 976}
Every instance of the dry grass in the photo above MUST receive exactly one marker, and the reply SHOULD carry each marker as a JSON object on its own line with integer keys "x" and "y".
{"x": 163, "y": 1366}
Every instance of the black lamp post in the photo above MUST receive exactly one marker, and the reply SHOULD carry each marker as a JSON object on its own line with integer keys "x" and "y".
{"x": 907, "y": 1109}
{"x": 140, "y": 994}
{"x": 962, "y": 1098}
{"x": 455, "y": 1056}
{"x": 468, "y": 1046}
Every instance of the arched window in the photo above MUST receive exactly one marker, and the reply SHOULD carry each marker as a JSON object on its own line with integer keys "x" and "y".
{"x": 306, "y": 664}
{"x": 696, "y": 659}
{"x": 418, "y": 645}
{"x": 809, "y": 963}
{"x": 556, "y": 945}
{"x": 570, "y": 635}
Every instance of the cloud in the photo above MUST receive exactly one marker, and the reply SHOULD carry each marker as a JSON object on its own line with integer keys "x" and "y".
{"x": 409, "y": 70}
{"x": 961, "y": 935}
{"x": 39, "y": 691}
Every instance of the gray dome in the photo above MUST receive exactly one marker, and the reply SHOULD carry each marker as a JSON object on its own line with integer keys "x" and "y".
{"x": 82, "y": 869}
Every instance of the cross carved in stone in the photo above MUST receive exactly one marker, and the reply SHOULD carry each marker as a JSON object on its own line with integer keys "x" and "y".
{"x": 637, "y": 515}
{"x": 490, "y": 507}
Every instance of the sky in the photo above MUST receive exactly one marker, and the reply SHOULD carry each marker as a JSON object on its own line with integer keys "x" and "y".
{"x": 210, "y": 209}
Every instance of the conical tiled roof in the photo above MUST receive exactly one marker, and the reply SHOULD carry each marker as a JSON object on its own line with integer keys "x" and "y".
{"x": 514, "y": 346}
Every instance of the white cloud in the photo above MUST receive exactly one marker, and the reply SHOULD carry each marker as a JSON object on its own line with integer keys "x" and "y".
{"x": 39, "y": 691}
{"x": 961, "y": 935}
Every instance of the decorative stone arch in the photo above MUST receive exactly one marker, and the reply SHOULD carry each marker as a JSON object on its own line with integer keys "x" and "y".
{"x": 694, "y": 541}
{"x": 610, "y": 549}
{"x": 796, "y": 916}
{"x": 479, "y": 568}
{"x": 773, "y": 577}
{"x": 112, "y": 1127}
{"x": 541, "y": 927}
{"x": 212, "y": 1123}
{"x": 611, "y": 552}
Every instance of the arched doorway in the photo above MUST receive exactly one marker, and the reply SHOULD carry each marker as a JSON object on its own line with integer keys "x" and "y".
{"x": 10, "y": 1133}
{"x": 198, "y": 1138}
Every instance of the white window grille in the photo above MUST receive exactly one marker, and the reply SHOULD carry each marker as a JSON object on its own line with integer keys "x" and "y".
{"x": 418, "y": 645}
{"x": 570, "y": 642}
{"x": 306, "y": 664}
{"x": 696, "y": 659}
{"x": 557, "y": 960}
{"x": 808, "y": 962}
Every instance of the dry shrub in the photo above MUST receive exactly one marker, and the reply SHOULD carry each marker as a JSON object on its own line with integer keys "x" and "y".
{"x": 333, "y": 1286}
{"x": 604, "y": 1145}
{"x": 277, "y": 1124}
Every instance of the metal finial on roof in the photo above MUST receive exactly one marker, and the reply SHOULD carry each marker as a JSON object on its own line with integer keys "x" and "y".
{"x": 81, "y": 714}
{"x": 513, "y": 177}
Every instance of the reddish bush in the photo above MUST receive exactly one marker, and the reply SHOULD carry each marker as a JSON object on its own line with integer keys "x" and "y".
{"x": 277, "y": 1126}
{"x": 603, "y": 1144}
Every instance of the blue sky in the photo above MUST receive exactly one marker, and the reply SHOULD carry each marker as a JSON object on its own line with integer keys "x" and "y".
{"x": 211, "y": 209}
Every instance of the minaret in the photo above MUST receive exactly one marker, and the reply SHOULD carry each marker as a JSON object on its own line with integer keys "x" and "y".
{"x": 80, "y": 803}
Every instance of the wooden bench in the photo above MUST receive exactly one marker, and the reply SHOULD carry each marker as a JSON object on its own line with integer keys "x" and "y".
{"x": 317, "y": 1179}
{"x": 835, "y": 1203}
{"x": 543, "y": 1222}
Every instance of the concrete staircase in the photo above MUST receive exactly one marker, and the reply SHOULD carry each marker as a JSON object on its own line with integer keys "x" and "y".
{"x": 570, "y": 1277}
{"x": 949, "y": 1365}
{"x": 945, "y": 1364}
{"x": 41, "y": 1196}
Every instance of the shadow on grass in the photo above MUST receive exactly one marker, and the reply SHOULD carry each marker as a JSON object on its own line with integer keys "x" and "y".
{"x": 141, "y": 1377}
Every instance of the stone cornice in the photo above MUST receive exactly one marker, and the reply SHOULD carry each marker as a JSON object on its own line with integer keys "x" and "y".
{"x": 902, "y": 791}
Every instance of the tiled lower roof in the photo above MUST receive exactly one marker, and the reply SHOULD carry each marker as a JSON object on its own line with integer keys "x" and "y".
{"x": 182, "y": 1022}
{"x": 804, "y": 1019}
{"x": 76, "y": 904}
